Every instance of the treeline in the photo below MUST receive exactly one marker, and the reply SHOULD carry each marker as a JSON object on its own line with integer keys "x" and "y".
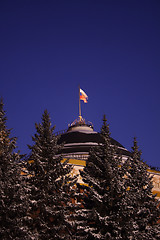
{"x": 115, "y": 202}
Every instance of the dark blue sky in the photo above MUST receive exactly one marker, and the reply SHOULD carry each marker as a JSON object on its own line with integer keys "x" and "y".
{"x": 110, "y": 47}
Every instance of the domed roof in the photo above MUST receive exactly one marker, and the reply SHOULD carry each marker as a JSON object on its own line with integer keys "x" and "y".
{"x": 80, "y": 137}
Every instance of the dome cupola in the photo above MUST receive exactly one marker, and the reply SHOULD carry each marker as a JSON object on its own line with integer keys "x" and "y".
{"x": 80, "y": 137}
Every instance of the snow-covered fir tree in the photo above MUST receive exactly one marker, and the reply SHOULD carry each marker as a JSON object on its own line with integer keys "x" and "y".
{"x": 144, "y": 210}
{"x": 105, "y": 196}
{"x": 51, "y": 186}
{"x": 13, "y": 203}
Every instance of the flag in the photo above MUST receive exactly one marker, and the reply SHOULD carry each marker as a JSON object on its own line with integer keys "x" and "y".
{"x": 83, "y": 96}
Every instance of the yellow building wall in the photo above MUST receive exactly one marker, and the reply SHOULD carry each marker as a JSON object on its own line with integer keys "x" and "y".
{"x": 80, "y": 164}
{"x": 156, "y": 182}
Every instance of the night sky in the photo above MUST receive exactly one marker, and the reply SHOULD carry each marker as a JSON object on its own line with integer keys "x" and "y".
{"x": 111, "y": 48}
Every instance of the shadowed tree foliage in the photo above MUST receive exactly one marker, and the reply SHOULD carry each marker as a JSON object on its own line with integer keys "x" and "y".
{"x": 104, "y": 198}
{"x": 50, "y": 186}
{"x": 144, "y": 212}
{"x": 13, "y": 202}
{"x": 117, "y": 201}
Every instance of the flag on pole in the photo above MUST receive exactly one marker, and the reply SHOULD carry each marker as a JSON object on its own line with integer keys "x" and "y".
{"x": 83, "y": 96}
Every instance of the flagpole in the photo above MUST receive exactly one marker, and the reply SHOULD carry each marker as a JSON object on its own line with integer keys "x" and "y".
{"x": 80, "y": 117}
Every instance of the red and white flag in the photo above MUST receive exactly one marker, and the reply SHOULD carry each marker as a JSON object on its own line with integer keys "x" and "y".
{"x": 83, "y": 96}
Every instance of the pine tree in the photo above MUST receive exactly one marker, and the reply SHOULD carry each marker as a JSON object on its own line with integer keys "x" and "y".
{"x": 145, "y": 211}
{"x": 13, "y": 203}
{"x": 51, "y": 186}
{"x": 104, "y": 198}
